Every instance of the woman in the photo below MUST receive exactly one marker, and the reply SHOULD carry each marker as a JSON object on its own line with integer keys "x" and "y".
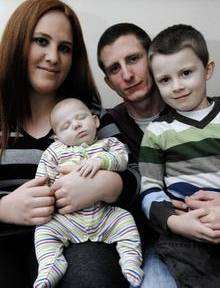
{"x": 42, "y": 60}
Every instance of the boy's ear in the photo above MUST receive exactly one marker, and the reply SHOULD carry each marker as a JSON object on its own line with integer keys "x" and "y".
{"x": 209, "y": 69}
{"x": 96, "y": 119}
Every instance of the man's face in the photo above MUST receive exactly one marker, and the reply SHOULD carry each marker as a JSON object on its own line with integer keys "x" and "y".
{"x": 126, "y": 68}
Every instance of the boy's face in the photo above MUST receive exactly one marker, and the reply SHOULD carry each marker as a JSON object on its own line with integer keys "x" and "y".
{"x": 74, "y": 124}
{"x": 181, "y": 78}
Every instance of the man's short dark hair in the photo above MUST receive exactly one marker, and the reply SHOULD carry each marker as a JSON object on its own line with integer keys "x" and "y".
{"x": 175, "y": 38}
{"x": 121, "y": 29}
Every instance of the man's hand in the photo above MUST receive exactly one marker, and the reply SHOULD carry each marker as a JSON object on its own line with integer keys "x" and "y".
{"x": 189, "y": 225}
{"x": 180, "y": 206}
{"x": 30, "y": 204}
{"x": 203, "y": 199}
{"x": 212, "y": 219}
{"x": 73, "y": 192}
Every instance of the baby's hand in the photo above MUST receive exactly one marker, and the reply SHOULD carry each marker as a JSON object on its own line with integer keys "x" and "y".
{"x": 89, "y": 167}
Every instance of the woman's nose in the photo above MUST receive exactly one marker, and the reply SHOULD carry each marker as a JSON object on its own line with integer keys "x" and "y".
{"x": 52, "y": 55}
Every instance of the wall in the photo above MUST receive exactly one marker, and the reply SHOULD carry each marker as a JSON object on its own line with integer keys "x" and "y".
{"x": 151, "y": 15}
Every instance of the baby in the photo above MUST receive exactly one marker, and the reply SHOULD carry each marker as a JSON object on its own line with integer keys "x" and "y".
{"x": 76, "y": 144}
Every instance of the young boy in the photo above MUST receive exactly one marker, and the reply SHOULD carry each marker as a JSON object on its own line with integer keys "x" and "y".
{"x": 180, "y": 154}
{"x": 76, "y": 145}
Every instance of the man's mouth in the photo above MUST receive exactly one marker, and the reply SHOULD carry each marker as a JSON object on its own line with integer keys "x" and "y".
{"x": 134, "y": 87}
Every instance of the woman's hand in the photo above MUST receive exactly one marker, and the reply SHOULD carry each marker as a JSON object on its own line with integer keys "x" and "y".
{"x": 73, "y": 192}
{"x": 190, "y": 226}
{"x": 30, "y": 204}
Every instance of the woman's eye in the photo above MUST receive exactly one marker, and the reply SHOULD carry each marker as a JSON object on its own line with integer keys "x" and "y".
{"x": 65, "y": 49}
{"x": 41, "y": 41}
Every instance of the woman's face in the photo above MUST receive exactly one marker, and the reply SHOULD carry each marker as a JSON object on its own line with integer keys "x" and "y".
{"x": 50, "y": 55}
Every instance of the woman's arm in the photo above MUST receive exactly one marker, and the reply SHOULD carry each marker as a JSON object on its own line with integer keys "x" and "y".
{"x": 30, "y": 204}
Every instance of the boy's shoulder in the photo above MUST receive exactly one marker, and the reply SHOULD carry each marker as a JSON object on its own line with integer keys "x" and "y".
{"x": 166, "y": 115}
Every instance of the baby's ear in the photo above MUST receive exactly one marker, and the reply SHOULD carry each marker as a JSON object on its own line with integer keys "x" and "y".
{"x": 96, "y": 119}
{"x": 209, "y": 69}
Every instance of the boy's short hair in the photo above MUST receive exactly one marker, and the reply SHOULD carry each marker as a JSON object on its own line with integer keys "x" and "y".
{"x": 121, "y": 29}
{"x": 175, "y": 38}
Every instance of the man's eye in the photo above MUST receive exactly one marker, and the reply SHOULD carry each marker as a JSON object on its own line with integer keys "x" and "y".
{"x": 113, "y": 70}
{"x": 65, "y": 49}
{"x": 41, "y": 41}
{"x": 133, "y": 59}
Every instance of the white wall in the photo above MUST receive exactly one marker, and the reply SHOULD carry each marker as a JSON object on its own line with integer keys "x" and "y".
{"x": 151, "y": 15}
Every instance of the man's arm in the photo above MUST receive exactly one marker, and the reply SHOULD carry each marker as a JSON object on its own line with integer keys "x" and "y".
{"x": 130, "y": 177}
{"x": 74, "y": 192}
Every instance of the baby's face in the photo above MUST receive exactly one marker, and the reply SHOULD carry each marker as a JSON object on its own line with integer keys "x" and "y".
{"x": 74, "y": 124}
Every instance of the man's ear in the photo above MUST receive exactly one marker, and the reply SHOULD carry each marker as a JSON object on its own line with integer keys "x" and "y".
{"x": 97, "y": 121}
{"x": 108, "y": 82}
{"x": 209, "y": 69}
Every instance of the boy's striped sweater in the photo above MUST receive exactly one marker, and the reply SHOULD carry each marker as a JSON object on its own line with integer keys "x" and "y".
{"x": 178, "y": 157}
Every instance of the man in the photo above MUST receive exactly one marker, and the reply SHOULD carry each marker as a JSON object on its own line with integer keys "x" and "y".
{"x": 122, "y": 56}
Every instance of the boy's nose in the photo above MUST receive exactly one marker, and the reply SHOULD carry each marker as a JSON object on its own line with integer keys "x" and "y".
{"x": 177, "y": 85}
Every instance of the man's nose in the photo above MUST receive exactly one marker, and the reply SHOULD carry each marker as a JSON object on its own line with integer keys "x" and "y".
{"x": 126, "y": 73}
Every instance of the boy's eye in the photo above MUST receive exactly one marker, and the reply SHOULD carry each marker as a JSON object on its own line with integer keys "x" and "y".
{"x": 41, "y": 41}
{"x": 65, "y": 49}
{"x": 163, "y": 80}
{"x": 187, "y": 72}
